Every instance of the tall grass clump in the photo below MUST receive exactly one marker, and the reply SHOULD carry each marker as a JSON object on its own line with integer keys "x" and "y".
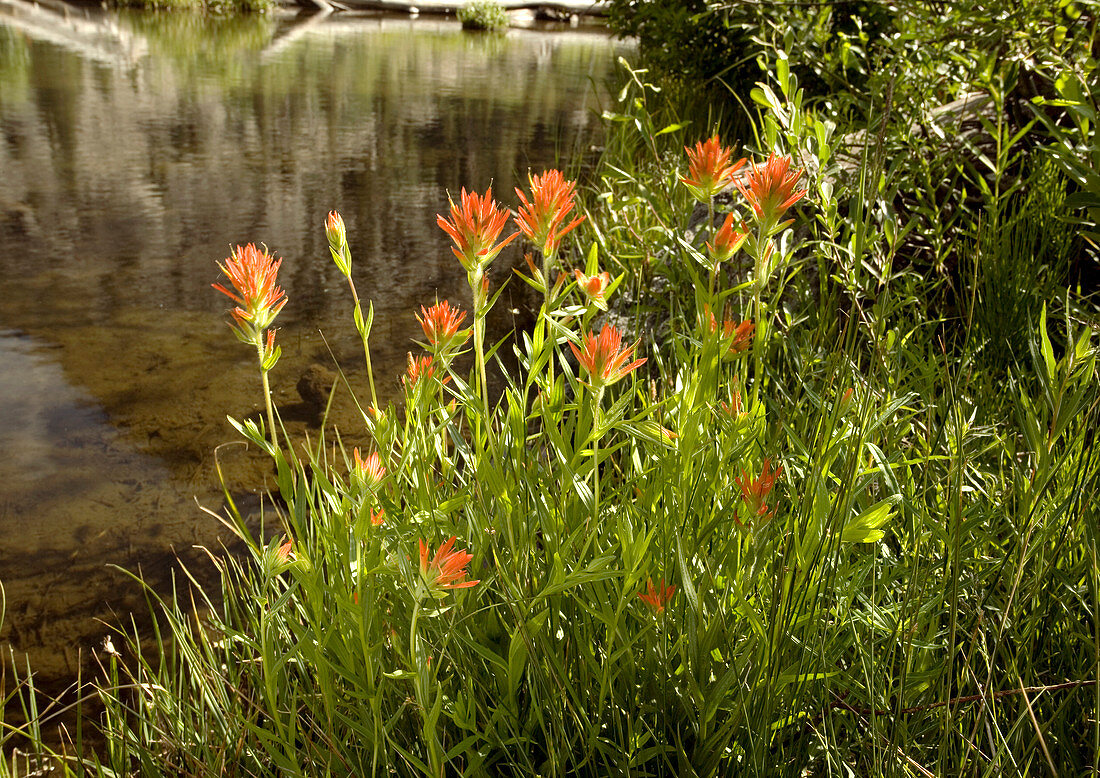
{"x": 751, "y": 503}
{"x": 486, "y": 15}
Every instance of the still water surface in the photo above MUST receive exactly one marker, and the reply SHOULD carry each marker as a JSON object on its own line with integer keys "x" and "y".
{"x": 134, "y": 151}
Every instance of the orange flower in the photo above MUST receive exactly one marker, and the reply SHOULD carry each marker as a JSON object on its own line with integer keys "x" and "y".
{"x": 378, "y": 517}
{"x": 253, "y": 274}
{"x": 285, "y": 553}
{"x": 846, "y": 400}
{"x": 540, "y": 218}
{"x": 335, "y": 230}
{"x": 732, "y": 409}
{"x": 726, "y": 241}
{"x": 418, "y": 370}
{"x": 337, "y": 236}
{"x": 370, "y": 469}
{"x": 754, "y": 492}
{"x": 604, "y": 355}
{"x": 739, "y": 334}
{"x": 769, "y": 188}
{"x": 657, "y": 597}
{"x": 594, "y": 286}
{"x": 271, "y": 351}
{"x": 440, "y": 323}
{"x": 474, "y": 225}
{"x": 709, "y": 170}
{"x": 446, "y": 570}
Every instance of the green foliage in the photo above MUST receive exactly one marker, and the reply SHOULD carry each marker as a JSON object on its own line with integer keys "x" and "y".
{"x": 968, "y": 529}
{"x": 719, "y": 43}
{"x": 483, "y": 15}
{"x": 1021, "y": 260}
{"x": 1075, "y": 147}
{"x": 213, "y": 7}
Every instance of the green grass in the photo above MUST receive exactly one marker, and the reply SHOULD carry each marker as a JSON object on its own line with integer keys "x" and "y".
{"x": 483, "y": 15}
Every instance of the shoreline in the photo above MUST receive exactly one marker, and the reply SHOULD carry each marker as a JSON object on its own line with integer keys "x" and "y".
{"x": 579, "y": 7}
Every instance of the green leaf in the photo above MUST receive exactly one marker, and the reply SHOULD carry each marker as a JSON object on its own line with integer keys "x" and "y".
{"x": 592, "y": 262}
{"x": 864, "y": 528}
{"x": 782, "y": 73}
{"x": 1044, "y": 345}
{"x": 685, "y": 575}
{"x": 401, "y": 675}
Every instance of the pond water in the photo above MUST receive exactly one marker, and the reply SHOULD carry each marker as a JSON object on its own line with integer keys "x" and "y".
{"x": 134, "y": 151}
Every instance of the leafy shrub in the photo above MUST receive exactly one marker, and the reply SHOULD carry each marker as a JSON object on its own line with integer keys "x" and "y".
{"x": 719, "y": 43}
{"x": 483, "y": 15}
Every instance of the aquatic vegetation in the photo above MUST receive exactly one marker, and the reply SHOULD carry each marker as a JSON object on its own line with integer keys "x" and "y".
{"x": 486, "y": 15}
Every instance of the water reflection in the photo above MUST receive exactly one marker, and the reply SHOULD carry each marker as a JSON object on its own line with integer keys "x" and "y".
{"x": 135, "y": 150}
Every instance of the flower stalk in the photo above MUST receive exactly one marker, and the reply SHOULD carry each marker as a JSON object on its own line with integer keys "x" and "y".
{"x": 336, "y": 232}
{"x": 253, "y": 275}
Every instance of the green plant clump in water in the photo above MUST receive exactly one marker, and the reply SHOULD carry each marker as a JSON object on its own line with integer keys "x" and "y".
{"x": 483, "y": 15}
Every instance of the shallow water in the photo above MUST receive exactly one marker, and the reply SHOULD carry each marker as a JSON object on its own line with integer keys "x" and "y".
{"x": 134, "y": 151}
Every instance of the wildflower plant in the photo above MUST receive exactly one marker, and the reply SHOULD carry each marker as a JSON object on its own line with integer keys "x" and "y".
{"x": 253, "y": 276}
{"x": 667, "y": 549}
{"x": 475, "y": 224}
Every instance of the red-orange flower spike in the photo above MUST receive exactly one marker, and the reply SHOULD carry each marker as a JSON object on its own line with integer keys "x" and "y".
{"x": 739, "y": 334}
{"x": 285, "y": 553}
{"x": 709, "y": 168}
{"x": 604, "y": 356}
{"x": 370, "y": 469}
{"x": 253, "y": 274}
{"x": 594, "y": 286}
{"x": 726, "y": 241}
{"x": 419, "y": 369}
{"x": 474, "y": 225}
{"x": 733, "y": 409}
{"x": 441, "y": 323}
{"x": 755, "y": 492}
{"x": 336, "y": 231}
{"x": 269, "y": 345}
{"x": 846, "y": 400}
{"x": 541, "y": 217}
{"x": 770, "y": 188}
{"x": 378, "y": 517}
{"x": 657, "y": 597}
{"x": 446, "y": 570}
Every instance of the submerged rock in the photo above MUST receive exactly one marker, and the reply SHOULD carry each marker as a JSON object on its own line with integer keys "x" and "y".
{"x": 315, "y": 386}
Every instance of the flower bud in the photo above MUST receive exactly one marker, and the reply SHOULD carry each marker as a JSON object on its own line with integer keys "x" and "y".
{"x": 337, "y": 236}
{"x": 594, "y": 287}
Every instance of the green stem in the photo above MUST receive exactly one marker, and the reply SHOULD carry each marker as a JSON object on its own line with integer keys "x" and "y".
{"x": 551, "y": 337}
{"x": 366, "y": 346}
{"x": 435, "y": 758}
{"x": 479, "y": 355}
{"x": 759, "y": 250}
{"x": 596, "y": 455}
{"x": 267, "y": 391}
{"x": 713, "y": 265}
{"x": 480, "y": 310}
